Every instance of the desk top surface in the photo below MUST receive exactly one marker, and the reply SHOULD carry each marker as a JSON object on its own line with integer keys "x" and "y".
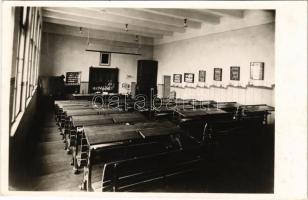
{"x": 91, "y": 111}
{"x": 122, "y": 117}
{"x": 125, "y": 135}
{"x": 95, "y": 117}
{"x": 113, "y": 127}
{"x": 70, "y": 101}
{"x": 257, "y": 108}
{"x": 159, "y": 131}
{"x": 200, "y": 112}
{"x": 119, "y": 133}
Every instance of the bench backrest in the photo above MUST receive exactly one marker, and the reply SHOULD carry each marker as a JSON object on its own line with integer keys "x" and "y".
{"x": 125, "y": 174}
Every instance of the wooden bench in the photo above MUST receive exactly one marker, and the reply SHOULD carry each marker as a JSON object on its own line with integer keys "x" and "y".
{"x": 97, "y": 136}
{"x": 65, "y": 120}
{"x": 60, "y": 108}
{"x": 110, "y": 152}
{"x": 255, "y": 112}
{"x": 129, "y": 174}
{"x": 110, "y": 117}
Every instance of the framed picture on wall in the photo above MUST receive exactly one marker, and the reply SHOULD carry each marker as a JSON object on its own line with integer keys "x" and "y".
{"x": 217, "y": 74}
{"x": 202, "y": 75}
{"x": 257, "y": 70}
{"x": 104, "y": 59}
{"x": 73, "y": 78}
{"x": 177, "y": 78}
{"x": 189, "y": 77}
{"x": 234, "y": 73}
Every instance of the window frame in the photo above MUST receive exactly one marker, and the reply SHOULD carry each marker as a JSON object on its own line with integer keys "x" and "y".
{"x": 28, "y": 25}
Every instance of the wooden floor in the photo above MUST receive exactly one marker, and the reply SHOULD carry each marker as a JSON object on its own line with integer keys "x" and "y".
{"x": 53, "y": 170}
{"x": 246, "y": 170}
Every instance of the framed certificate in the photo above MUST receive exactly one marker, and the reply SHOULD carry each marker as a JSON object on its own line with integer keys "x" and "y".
{"x": 202, "y": 75}
{"x": 73, "y": 78}
{"x": 189, "y": 77}
{"x": 217, "y": 74}
{"x": 257, "y": 70}
{"x": 177, "y": 78}
{"x": 235, "y": 73}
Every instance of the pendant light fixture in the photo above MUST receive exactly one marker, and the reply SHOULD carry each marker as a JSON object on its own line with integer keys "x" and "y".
{"x": 137, "y": 39}
{"x": 88, "y": 39}
{"x": 185, "y": 23}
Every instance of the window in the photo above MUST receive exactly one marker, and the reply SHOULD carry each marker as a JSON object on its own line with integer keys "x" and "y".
{"x": 20, "y": 62}
{"x": 27, "y": 33}
{"x": 29, "y": 54}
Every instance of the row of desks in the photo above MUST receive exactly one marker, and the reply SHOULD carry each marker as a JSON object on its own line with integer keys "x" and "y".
{"x": 92, "y": 128}
{"x": 76, "y": 114}
{"x": 72, "y": 111}
{"x": 110, "y": 128}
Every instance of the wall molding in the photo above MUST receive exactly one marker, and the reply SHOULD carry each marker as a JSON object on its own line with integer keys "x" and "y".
{"x": 224, "y": 87}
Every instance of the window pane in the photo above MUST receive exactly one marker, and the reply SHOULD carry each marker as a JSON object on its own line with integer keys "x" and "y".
{"x": 27, "y": 57}
{"x": 27, "y": 65}
{"x": 24, "y": 16}
{"x": 15, "y": 60}
{"x": 19, "y": 72}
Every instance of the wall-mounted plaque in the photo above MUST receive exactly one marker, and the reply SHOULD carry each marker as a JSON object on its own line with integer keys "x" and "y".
{"x": 189, "y": 77}
{"x": 217, "y": 74}
{"x": 257, "y": 70}
{"x": 202, "y": 75}
{"x": 73, "y": 78}
{"x": 104, "y": 59}
{"x": 177, "y": 78}
{"x": 235, "y": 73}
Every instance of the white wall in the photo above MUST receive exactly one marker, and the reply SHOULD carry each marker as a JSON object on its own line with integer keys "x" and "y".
{"x": 61, "y": 53}
{"x": 223, "y": 49}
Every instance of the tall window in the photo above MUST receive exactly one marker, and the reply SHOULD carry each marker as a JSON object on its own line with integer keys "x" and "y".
{"x": 20, "y": 61}
{"x": 27, "y": 37}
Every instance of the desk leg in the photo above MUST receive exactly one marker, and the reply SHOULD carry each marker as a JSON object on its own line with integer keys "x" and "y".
{"x": 83, "y": 185}
{"x": 89, "y": 169}
{"x": 115, "y": 178}
{"x": 74, "y": 146}
{"x": 71, "y": 137}
{"x": 204, "y": 133}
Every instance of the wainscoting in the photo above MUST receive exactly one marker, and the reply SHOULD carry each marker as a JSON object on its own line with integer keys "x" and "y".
{"x": 243, "y": 95}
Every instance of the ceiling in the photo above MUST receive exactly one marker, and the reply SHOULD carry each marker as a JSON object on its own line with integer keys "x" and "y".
{"x": 129, "y": 25}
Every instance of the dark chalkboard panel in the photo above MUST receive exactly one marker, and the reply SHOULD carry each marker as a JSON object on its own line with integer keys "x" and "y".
{"x": 103, "y": 80}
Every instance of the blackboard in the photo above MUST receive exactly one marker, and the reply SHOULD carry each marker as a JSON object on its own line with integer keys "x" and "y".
{"x": 103, "y": 80}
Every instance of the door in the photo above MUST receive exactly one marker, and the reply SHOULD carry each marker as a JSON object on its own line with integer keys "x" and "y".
{"x": 166, "y": 87}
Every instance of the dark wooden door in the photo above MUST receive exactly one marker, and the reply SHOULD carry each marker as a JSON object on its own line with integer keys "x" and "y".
{"x": 146, "y": 77}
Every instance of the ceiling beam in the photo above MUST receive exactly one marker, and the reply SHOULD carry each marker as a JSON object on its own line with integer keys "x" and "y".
{"x": 190, "y": 14}
{"x": 103, "y": 23}
{"x": 113, "y": 31}
{"x": 94, "y": 35}
{"x": 113, "y": 49}
{"x": 225, "y": 12}
{"x": 120, "y": 20}
{"x": 148, "y": 16}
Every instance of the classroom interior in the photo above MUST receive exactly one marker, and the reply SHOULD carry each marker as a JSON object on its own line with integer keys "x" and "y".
{"x": 141, "y": 99}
